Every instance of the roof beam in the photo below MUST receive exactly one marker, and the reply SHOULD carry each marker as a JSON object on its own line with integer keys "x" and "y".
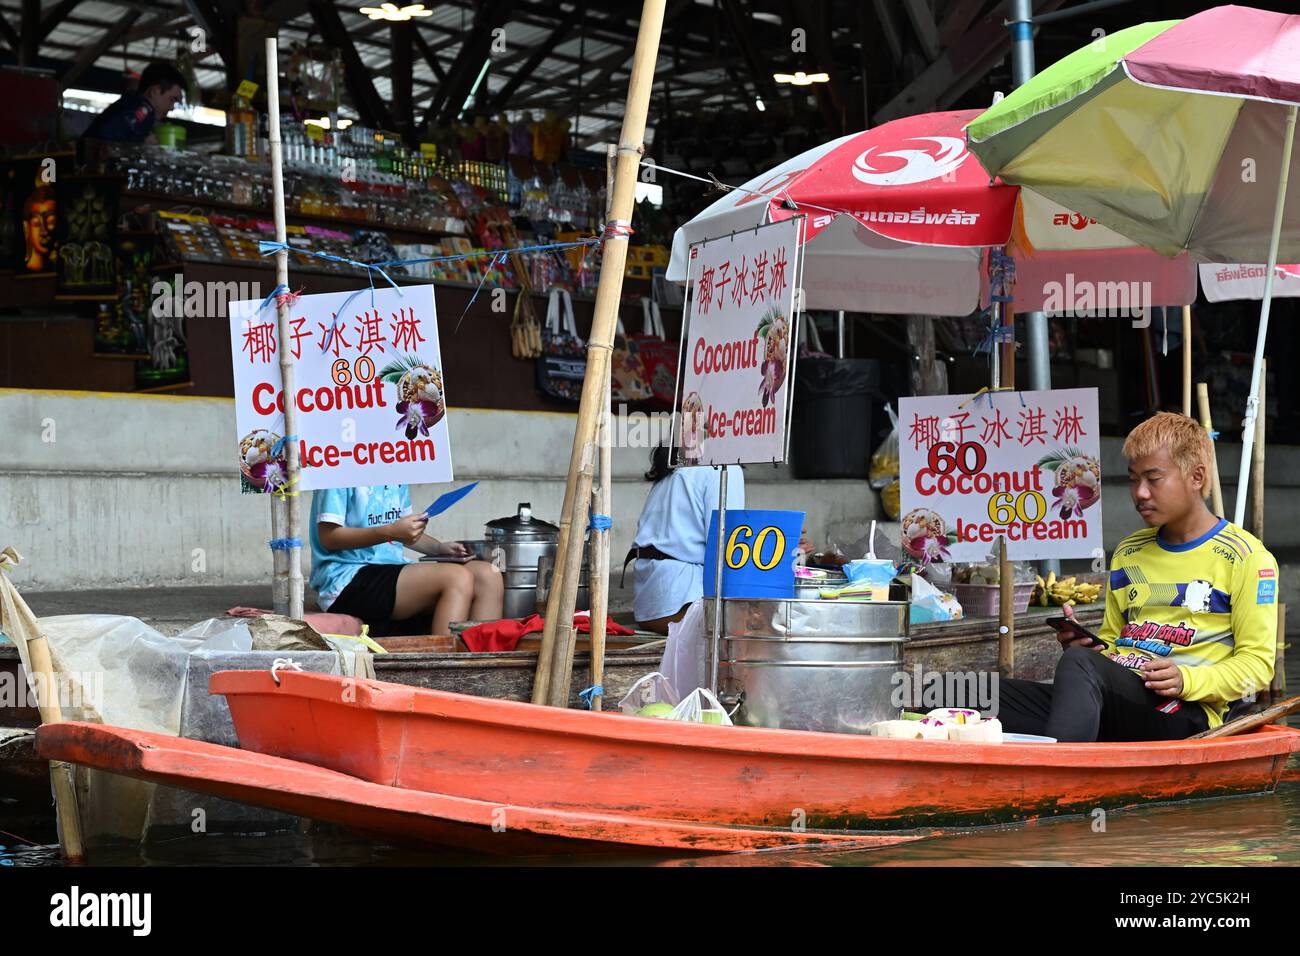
{"x": 535, "y": 59}
{"x": 56, "y": 16}
{"x": 400, "y": 75}
{"x": 10, "y": 35}
{"x": 92, "y": 53}
{"x": 959, "y": 68}
{"x": 356, "y": 75}
{"x": 922, "y": 17}
{"x": 469, "y": 61}
{"x": 889, "y": 27}
{"x": 430, "y": 57}
{"x": 958, "y": 18}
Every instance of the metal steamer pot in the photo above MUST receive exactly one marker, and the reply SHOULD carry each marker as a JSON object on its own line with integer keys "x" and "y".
{"x": 810, "y": 664}
{"x": 518, "y": 544}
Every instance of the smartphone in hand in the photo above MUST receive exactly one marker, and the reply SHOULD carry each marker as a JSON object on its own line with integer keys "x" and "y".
{"x": 1068, "y": 629}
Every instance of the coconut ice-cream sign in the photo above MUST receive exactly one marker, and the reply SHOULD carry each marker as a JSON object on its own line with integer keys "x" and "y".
{"x": 368, "y": 389}
{"x": 733, "y": 400}
{"x": 1019, "y": 466}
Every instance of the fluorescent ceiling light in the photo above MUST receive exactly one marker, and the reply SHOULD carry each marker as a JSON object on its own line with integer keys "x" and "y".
{"x": 800, "y": 78}
{"x": 396, "y": 14}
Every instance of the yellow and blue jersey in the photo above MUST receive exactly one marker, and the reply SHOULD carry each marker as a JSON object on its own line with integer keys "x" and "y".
{"x": 1209, "y": 605}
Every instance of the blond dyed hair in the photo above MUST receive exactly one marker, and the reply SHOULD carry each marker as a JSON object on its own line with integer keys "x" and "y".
{"x": 1184, "y": 438}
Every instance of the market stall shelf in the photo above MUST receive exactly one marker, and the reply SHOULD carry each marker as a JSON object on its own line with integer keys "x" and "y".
{"x": 467, "y": 771}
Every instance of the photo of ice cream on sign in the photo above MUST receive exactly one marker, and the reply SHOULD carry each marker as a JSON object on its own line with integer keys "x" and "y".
{"x": 420, "y": 404}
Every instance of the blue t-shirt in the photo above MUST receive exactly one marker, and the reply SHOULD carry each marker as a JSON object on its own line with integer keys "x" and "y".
{"x": 675, "y": 520}
{"x": 367, "y": 506}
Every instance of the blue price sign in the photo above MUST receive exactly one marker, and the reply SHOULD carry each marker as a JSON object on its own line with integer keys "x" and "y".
{"x": 758, "y": 560}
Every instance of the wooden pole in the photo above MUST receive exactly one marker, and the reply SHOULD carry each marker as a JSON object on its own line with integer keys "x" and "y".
{"x": 601, "y": 504}
{"x": 20, "y": 624}
{"x": 292, "y": 521}
{"x": 1006, "y": 573}
{"x": 1277, "y": 689}
{"x": 1216, "y": 489}
{"x": 1257, "y": 463}
{"x": 555, "y": 660}
{"x": 1187, "y": 361}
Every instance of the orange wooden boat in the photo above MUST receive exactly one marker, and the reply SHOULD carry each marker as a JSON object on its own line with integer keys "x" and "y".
{"x": 476, "y": 772}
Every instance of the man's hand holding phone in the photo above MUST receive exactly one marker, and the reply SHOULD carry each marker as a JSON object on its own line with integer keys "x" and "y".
{"x": 1073, "y": 634}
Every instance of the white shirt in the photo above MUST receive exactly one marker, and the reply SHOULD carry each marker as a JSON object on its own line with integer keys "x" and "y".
{"x": 675, "y": 520}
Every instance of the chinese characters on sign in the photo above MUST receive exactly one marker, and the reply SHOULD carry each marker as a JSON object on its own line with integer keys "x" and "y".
{"x": 368, "y": 390}
{"x": 733, "y": 400}
{"x": 1021, "y": 465}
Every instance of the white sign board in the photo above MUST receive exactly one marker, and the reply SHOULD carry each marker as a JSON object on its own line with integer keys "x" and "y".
{"x": 733, "y": 399}
{"x": 368, "y": 389}
{"x": 1021, "y": 465}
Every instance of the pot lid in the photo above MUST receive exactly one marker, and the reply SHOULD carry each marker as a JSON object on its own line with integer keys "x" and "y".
{"x": 524, "y": 522}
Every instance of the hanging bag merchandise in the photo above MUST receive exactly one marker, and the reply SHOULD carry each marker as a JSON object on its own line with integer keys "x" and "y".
{"x": 563, "y": 363}
{"x": 658, "y": 355}
{"x": 627, "y": 371}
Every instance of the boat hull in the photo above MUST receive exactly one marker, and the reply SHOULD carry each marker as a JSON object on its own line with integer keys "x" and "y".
{"x": 405, "y": 816}
{"x": 509, "y": 753}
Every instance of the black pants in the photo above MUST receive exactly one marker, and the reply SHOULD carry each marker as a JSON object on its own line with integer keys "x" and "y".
{"x": 1093, "y": 698}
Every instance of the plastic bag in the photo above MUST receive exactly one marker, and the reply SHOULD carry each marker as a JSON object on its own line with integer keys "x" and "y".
{"x": 930, "y": 604}
{"x": 686, "y": 653}
{"x": 885, "y": 466}
{"x": 653, "y": 690}
{"x": 701, "y": 707}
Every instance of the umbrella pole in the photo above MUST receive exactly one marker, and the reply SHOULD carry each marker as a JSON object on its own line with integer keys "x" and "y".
{"x": 1252, "y": 402}
{"x": 1187, "y": 361}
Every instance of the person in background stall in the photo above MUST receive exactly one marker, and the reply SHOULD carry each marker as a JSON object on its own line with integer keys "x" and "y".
{"x": 670, "y": 538}
{"x": 359, "y": 566}
{"x": 131, "y": 118}
{"x": 1191, "y": 612}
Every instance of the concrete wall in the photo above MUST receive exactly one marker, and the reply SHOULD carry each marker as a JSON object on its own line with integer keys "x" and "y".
{"x": 105, "y": 489}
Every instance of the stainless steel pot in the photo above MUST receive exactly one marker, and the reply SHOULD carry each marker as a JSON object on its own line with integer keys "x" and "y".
{"x": 516, "y": 544}
{"x": 810, "y": 664}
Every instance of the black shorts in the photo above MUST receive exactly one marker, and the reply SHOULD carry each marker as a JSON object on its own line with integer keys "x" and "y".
{"x": 371, "y": 594}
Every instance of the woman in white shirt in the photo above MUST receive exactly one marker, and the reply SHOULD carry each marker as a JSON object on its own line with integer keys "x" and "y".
{"x": 670, "y": 538}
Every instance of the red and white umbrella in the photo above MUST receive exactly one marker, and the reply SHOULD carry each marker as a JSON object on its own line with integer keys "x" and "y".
{"x": 899, "y": 218}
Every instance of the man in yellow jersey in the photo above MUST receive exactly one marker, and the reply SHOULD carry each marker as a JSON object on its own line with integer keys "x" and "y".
{"x": 1191, "y": 612}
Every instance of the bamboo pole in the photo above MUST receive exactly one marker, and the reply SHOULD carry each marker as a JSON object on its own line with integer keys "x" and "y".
{"x": 555, "y": 660}
{"x": 1187, "y": 361}
{"x": 599, "y": 573}
{"x": 292, "y": 520}
{"x": 1216, "y": 489}
{"x": 1277, "y": 689}
{"x": 1006, "y": 573}
{"x": 600, "y": 561}
{"x": 22, "y": 626}
{"x": 1257, "y": 462}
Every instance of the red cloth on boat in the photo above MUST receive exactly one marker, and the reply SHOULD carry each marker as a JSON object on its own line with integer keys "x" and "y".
{"x": 504, "y": 635}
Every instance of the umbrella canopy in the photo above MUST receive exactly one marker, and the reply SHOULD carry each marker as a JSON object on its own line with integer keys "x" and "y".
{"x": 899, "y": 217}
{"x": 1189, "y": 128}
{"x": 1225, "y": 281}
{"x": 1167, "y": 132}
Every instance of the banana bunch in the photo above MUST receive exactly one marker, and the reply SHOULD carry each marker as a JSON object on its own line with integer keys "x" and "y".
{"x": 1063, "y": 591}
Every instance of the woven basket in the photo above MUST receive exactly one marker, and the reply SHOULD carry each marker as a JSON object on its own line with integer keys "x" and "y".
{"x": 984, "y": 600}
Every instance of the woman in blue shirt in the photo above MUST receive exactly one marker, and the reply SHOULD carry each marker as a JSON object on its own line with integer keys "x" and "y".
{"x": 359, "y": 566}
{"x": 670, "y": 538}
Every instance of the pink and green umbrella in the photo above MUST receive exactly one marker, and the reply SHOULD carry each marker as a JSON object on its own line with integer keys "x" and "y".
{"x": 1177, "y": 135}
